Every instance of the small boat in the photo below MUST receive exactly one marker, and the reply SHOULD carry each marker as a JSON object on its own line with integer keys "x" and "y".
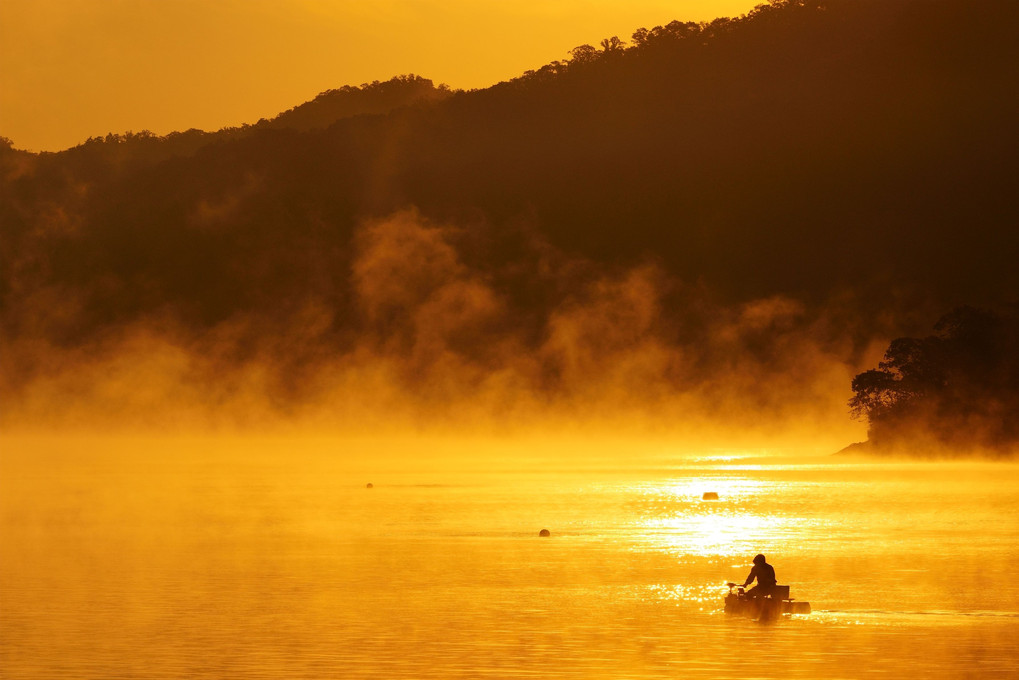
{"x": 763, "y": 608}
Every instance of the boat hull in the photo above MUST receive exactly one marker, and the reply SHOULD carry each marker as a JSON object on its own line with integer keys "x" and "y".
{"x": 763, "y": 608}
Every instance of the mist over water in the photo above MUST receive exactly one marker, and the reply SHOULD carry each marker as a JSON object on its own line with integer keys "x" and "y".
{"x": 295, "y": 399}
{"x": 234, "y": 558}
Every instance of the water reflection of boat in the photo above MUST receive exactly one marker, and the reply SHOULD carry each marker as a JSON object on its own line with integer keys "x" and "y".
{"x": 763, "y": 608}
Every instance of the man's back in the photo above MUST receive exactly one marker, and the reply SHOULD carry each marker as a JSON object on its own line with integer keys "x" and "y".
{"x": 765, "y": 574}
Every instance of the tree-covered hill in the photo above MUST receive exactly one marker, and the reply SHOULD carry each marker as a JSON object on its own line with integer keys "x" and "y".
{"x": 858, "y": 151}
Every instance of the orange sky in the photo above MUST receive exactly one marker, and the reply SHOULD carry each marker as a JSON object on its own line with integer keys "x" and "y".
{"x": 70, "y": 69}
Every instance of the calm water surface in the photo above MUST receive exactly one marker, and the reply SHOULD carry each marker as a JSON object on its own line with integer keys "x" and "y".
{"x": 184, "y": 561}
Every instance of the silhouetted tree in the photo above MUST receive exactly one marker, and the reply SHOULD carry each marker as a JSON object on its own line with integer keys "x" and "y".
{"x": 583, "y": 54}
{"x": 958, "y": 387}
{"x": 613, "y": 44}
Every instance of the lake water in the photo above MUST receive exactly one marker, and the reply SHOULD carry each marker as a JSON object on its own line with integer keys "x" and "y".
{"x": 183, "y": 559}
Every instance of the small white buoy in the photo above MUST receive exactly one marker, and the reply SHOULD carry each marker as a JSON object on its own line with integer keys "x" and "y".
{"x": 709, "y": 496}
{"x": 545, "y": 533}
{"x": 369, "y": 485}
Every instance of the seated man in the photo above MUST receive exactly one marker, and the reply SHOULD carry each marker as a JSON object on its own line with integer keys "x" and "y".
{"x": 765, "y": 575}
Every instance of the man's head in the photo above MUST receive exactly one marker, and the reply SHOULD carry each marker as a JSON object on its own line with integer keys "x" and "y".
{"x": 759, "y": 559}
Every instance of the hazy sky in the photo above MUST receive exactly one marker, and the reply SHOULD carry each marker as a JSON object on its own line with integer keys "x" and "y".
{"x": 70, "y": 69}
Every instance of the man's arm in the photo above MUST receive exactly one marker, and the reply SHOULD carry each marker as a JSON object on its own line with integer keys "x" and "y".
{"x": 751, "y": 577}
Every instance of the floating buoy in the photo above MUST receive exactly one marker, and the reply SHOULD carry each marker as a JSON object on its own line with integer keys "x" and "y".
{"x": 709, "y": 496}
{"x": 369, "y": 485}
{"x": 545, "y": 532}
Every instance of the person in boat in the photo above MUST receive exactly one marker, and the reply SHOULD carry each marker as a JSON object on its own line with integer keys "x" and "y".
{"x": 764, "y": 573}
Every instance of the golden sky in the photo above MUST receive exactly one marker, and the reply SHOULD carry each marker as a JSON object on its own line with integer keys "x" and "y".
{"x": 70, "y": 69}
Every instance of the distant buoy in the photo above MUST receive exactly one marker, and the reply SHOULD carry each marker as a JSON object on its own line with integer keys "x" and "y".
{"x": 545, "y": 532}
{"x": 709, "y": 496}
{"x": 369, "y": 485}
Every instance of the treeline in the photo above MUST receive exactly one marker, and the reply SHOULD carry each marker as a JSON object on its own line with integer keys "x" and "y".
{"x": 677, "y": 38}
{"x": 375, "y": 98}
{"x": 954, "y": 391}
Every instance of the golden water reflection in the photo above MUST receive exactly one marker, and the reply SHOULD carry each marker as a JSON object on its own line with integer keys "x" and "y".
{"x": 676, "y": 518}
{"x": 176, "y": 563}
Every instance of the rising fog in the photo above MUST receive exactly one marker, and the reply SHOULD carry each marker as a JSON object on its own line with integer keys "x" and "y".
{"x": 441, "y": 344}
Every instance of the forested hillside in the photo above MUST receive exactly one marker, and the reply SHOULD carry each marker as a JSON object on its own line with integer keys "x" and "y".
{"x": 853, "y": 160}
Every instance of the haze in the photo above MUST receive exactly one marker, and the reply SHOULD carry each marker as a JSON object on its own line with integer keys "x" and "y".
{"x": 393, "y": 379}
{"x": 72, "y": 69}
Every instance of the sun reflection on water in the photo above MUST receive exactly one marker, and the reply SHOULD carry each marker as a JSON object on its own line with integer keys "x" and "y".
{"x": 676, "y": 518}
{"x": 705, "y": 596}
{"x": 728, "y": 488}
{"x": 722, "y": 534}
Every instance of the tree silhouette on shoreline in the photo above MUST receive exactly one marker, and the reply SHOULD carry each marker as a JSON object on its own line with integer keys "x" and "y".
{"x": 957, "y": 388}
